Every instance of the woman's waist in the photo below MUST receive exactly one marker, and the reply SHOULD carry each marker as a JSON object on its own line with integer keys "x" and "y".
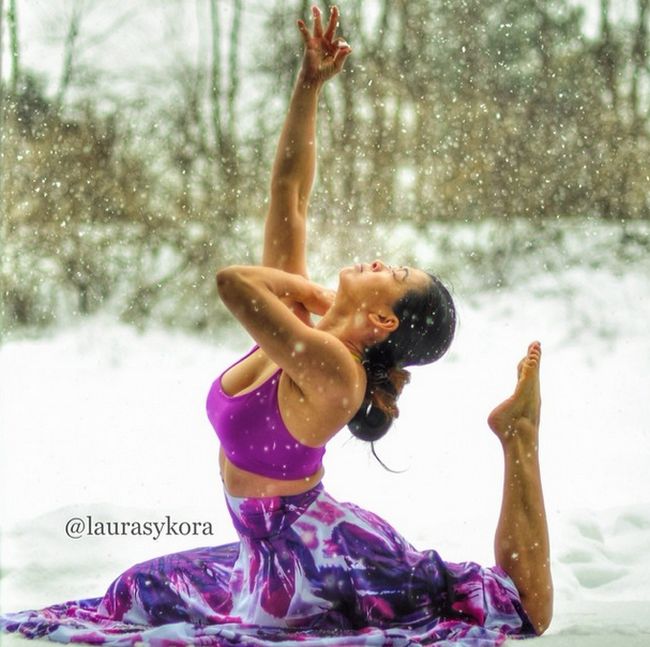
{"x": 241, "y": 483}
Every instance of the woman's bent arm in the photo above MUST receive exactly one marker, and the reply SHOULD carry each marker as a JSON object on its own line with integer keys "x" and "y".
{"x": 319, "y": 363}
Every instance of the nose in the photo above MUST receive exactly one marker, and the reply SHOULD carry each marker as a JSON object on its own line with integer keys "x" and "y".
{"x": 377, "y": 265}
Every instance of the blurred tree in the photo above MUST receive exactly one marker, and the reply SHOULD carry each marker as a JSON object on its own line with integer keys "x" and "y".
{"x": 14, "y": 49}
{"x": 639, "y": 63}
{"x": 215, "y": 78}
{"x": 75, "y": 200}
{"x": 609, "y": 54}
{"x": 69, "y": 51}
{"x": 234, "y": 71}
{"x": 224, "y": 127}
{"x": 3, "y": 221}
{"x": 2, "y": 16}
{"x": 459, "y": 111}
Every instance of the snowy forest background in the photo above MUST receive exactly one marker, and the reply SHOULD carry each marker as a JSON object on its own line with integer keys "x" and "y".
{"x": 509, "y": 136}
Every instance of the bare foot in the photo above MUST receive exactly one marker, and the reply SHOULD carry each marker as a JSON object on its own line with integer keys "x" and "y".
{"x": 519, "y": 414}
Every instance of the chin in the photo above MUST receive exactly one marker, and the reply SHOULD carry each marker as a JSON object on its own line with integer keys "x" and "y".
{"x": 346, "y": 279}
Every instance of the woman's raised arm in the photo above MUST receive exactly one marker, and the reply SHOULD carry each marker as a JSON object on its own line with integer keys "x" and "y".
{"x": 295, "y": 159}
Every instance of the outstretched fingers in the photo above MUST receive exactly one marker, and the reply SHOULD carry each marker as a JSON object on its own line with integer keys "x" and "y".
{"x": 328, "y": 35}
{"x": 324, "y": 53}
{"x": 318, "y": 25}
{"x": 303, "y": 30}
{"x": 331, "y": 27}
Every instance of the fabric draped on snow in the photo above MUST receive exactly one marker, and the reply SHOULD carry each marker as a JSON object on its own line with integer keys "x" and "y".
{"x": 308, "y": 570}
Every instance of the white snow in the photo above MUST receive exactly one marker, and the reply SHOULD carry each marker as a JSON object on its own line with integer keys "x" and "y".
{"x": 100, "y": 420}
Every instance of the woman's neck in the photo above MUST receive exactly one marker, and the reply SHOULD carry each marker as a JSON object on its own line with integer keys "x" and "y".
{"x": 340, "y": 328}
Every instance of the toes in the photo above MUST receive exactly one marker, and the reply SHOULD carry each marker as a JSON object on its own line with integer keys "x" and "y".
{"x": 535, "y": 347}
{"x": 531, "y": 360}
{"x": 534, "y": 352}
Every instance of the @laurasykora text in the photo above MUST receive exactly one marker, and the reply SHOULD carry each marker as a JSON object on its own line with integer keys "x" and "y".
{"x": 77, "y": 527}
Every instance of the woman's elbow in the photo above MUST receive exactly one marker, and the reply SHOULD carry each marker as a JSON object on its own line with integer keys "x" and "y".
{"x": 231, "y": 280}
{"x": 226, "y": 277}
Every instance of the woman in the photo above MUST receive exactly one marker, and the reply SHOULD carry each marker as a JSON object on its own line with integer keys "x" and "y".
{"x": 307, "y": 567}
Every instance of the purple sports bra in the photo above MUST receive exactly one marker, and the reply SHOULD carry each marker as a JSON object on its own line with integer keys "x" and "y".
{"x": 253, "y": 435}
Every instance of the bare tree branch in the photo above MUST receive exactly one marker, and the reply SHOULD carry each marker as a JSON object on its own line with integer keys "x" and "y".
{"x": 233, "y": 64}
{"x": 4, "y": 225}
{"x": 3, "y": 217}
{"x": 639, "y": 60}
{"x": 69, "y": 51}
{"x": 2, "y": 11}
{"x": 200, "y": 79}
{"x": 12, "y": 20}
{"x": 215, "y": 80}
{"x": 608, "y": 54}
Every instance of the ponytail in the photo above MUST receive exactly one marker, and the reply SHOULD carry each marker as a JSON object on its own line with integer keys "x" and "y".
{"x": 427, "y": 325}
{"x": 379, "y": 407}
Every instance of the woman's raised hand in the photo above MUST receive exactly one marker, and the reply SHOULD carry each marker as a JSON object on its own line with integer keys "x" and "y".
{"x": 319, "y": 299}
{"x": 324, "y": 54}
{"x": 314, "y": 299}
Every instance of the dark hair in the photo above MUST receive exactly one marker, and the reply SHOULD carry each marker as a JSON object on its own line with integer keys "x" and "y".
{"x": 427, "y": 323}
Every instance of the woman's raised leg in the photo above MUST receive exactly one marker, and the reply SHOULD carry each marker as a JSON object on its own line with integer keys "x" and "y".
{"x": 521, "y": 543}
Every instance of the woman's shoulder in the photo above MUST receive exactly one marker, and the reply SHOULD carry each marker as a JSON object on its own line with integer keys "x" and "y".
{"x": 317, "y": 416}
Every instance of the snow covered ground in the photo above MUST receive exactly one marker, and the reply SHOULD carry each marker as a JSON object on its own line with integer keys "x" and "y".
{"x": 100, "y": 420}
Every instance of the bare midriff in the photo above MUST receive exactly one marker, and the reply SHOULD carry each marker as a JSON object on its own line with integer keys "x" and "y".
{"x": 241, "y": 483}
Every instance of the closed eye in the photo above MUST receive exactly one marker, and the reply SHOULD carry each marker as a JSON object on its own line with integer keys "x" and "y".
{"x": 406, "y": 273}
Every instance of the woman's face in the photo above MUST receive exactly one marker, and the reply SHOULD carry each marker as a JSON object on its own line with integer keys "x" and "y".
{"x": 376, "y": 287}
